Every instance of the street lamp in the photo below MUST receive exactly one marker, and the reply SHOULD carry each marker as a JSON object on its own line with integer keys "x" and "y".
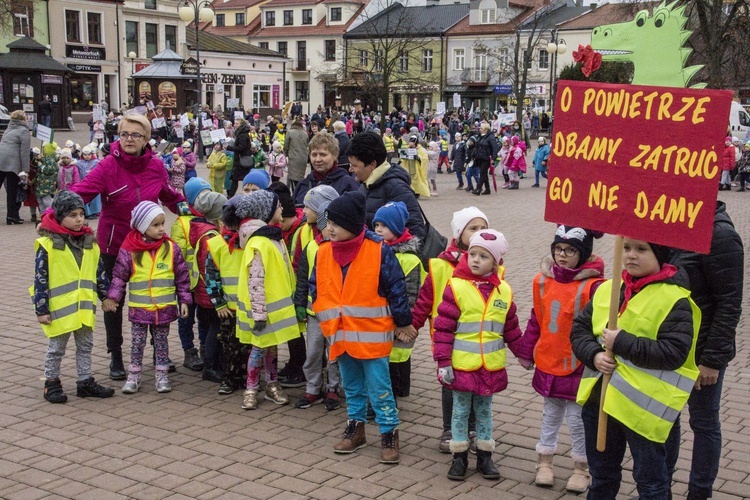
{"x": 554, "y": 47}
{"x": 197, "y": 11}
{"x": 309, "y": 89}
{"x": 131, "y": 57}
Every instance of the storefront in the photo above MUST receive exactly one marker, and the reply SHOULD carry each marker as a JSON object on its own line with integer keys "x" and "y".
{"x": 166, "y": 83}
{"x": 28, "y": 74}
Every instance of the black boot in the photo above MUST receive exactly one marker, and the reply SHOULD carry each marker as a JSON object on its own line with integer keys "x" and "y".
{"x": 470, "y": 188}
{"x": 90, "y": 389}
{"x": 476, "y": 192}
{"x": 116, "y": 368}
{"x": 458, "y": 468}
{"x": 192, "y": 360}
{"x": 53, "y": 391}
{"x": 485, "y": 466}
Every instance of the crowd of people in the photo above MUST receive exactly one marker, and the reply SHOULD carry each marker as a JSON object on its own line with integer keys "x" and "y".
{"x": 331, "y": 263}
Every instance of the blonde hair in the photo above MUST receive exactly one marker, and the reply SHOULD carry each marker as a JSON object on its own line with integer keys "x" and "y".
{"x": 324, "y": 140}
{"x": 18, "y": 115}
{"x": 139, "y": 120}
{"x": 338, "y": 125}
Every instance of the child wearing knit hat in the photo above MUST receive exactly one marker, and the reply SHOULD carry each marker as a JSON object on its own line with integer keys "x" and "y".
{"x": 217, "y": 166}
{"x": 256, "y": 180}
{"x": 85, "y": 165}
{"x": 276, "y": 162}
{"x": 66, "y": 254}
{"x": 476, "y": 320}
{"x": 390, "y": 224}
{"x": 316, "y": 203}
{"x": 346, "y": 310}
{"x": 566, "y": 283}
{"x": 265, "y": 312}
{"x": 464, "y": 224}
{"x": 152, "y": 267}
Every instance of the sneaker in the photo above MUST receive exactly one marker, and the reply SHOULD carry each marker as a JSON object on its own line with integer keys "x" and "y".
{"x": 250, "y": 399}
{"x": 293, "y": 381}
{"x": 332, "y": 401}
{"x": 308, "y": 400}
{"x": 445, "y": 441}
{"x": 133, "y": 384}
{"x": 90, "y": 389}
{"x": 162, "y": 382}
{"x": 53, "y": 391}
{"x": 284, "y": 373}
{"x": 192, "y": 360}
{"x": 535, "y": 185}
{"x": 226, "y": 388}
{"x": 276, "y": 394}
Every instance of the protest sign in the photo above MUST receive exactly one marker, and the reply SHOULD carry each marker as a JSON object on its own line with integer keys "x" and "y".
{"x": 233, "y": 102}
{"x": 638, "y": 161}
{"x": 218, "y": 135}
{"x": 456, "y": 101}
{"x": 206, "y": 138}
{"x": 440, "y": 110}
{"x": 43, "y": 133}
{"x": 96, "y": 111}
{"x": 239, "y": 115}
{"x": 158, "y": 123}
{"x": 184, "y": 120}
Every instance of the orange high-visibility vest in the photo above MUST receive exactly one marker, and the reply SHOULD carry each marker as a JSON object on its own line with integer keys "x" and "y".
{"x": 353, "y": 317}
{"x": 555, "y": 306}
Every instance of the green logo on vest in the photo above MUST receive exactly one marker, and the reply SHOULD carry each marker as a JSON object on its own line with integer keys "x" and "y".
{"x": 500, "y": 304}
{"x": 162, "y": 265}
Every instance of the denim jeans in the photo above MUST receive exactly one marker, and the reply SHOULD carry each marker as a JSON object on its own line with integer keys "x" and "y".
{"x": 538, "y": 173}
{"x": 185, "y": 328}
{"x": 704, "y": 408}
{"x": 363, "y": 378}
{"x": 649, "y": 460}
{"x": 463, "y": 403}
{"x": 472, "y": 173}
{"x": 460, "y": 177}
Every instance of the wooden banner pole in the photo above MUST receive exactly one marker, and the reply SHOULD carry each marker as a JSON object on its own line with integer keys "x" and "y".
{"x": 614, "y": 307}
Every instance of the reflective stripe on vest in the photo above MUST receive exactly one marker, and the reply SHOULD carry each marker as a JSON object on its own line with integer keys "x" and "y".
{"x": 478, "y": 340}
{"x": 352, "y": 315}
{"x": 311, "y": 250}
{"x": 180, "y": 234}
{"x": 281, "y": 322}
{"x": 408, "y": 261}
{"x": 228, "y": 263}
{"x": 647, "y": 401}
{"x": 72, "y": 289}
{"x": 196, "y": 268}
{"x": 555, "y": 305}
{"x": 152, "y": 285}
{"x": 389, "y": 143}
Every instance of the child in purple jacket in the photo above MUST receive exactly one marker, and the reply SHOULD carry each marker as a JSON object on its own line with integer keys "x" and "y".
{"x": 159, "y": 290}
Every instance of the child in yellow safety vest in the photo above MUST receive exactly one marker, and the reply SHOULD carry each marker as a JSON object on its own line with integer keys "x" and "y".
{"x": 464, "y": 224}
{"x": 568, "y": 279}
{"x": 651, "y": 360}
{"x": 265, "y": 312}
{"x": 152, "y": 267}
{"x": 316, "y": 202}
{"x": 390, "y": 224}
{"x": 66, "y": 275}
{"x": 476, "y": 320}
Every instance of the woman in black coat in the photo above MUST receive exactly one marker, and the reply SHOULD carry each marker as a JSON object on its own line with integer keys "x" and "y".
{"x": 243, "y": 156}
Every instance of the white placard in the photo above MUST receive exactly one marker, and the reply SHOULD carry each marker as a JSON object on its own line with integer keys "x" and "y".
{"x": 97, "y": 113}
{"x": 184, "y": 120}
{"x": 239, "y": 115}
{"x": 218, "y": 135}
{"x": 456, "y": 100}
{"x": 440, "y": 111}
{"x": 28, "y": 108}
{"x": 159, "y": 122}
{"x": 44, "y": 133}
{"x": 233, "y": 103}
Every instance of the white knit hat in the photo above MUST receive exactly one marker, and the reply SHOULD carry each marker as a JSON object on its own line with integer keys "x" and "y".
{"x": 462, "y": 218}
{"x": 144, "y": 214}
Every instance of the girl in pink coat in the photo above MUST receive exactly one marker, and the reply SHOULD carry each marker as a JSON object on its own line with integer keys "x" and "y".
{"x": 516, "y": 161}
{"x": 728, "y": 161}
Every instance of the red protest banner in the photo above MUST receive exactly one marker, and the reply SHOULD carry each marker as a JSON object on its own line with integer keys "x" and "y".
{"x": 638, "y": 161}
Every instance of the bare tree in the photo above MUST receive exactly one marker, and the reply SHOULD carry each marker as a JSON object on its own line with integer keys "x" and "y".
{"x": 9, "y": 23}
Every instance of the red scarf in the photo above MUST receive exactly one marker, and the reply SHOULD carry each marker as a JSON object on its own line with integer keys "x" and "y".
{"x": 344, "y": 252}
{"x": 464, "y": 271}
{"x": 405, "y": 236}
{"x": 195, "y": 212}
{"x": 50, "y": 224}
{"x": 319, "y": 177}
{"x": 135, "y": 242}
{"x": 635, "y": 285}
{"x": 231, "y": 237}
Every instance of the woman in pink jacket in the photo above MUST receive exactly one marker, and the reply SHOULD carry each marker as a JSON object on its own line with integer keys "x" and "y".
{"x": 129, "y": 175}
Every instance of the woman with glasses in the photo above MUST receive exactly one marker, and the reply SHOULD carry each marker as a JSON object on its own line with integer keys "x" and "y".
{"x": 132, "y": 173}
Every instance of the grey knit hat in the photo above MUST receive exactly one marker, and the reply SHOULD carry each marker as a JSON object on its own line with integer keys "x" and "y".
{"x": 210, "y": 204}
{"x": 259, "y": 205}
{"x": 319, "y": 194}
{"x": 323, "y": 215}
{"x": 64, "y": 203}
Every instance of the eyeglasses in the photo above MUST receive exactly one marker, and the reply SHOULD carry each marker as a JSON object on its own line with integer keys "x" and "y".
{"x": 135, "y": 136}
{"x": 567, "y": 251}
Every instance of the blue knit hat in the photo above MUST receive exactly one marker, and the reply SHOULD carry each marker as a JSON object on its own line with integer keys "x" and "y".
{"x": 394, "y": 215}
{"x": 258, "y": 177}
{"x": 195, "y": 186}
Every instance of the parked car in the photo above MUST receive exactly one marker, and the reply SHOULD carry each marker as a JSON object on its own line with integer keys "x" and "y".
{"x": 4, "y": 117}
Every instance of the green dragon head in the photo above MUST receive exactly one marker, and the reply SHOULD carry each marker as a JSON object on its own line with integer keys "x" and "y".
{"x": 654, "y": 44}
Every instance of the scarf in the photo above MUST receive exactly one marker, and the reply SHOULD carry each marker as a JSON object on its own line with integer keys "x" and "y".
{"x": 344, "y": 252}
{"x": 135, "y": 242}
{"x": 231, "y": 237}
{"x": 405, "y": 236}
{"x": 50, "y": 224}
{"x": 319, "y": 177}
{"x": 635, "y": 285}
{"x": 195, "y": 212}
{"x": 464, "y": 271}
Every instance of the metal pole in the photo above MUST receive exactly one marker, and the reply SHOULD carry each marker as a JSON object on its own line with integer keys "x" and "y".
{"x": 200, "y": 85}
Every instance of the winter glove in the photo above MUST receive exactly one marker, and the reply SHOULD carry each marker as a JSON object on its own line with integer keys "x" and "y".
{"x": 526, "y": 363}
{"x": 301, "y": 313}
{"x": 259, "y": 326}
{"x": 445, "y": 375}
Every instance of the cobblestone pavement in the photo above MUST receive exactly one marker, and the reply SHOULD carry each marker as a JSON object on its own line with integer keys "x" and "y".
{"x": 193, "y": 443}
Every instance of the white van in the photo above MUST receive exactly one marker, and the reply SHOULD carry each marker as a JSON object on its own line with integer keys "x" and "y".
{"x": 739, "y": 121}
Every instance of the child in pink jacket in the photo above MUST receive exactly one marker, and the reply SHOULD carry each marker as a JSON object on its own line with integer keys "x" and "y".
{"x": 728, "y": 161}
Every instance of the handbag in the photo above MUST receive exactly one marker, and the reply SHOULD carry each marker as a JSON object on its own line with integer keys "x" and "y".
{"x": 247, "y": 161}
{"x": 434, "y": 242}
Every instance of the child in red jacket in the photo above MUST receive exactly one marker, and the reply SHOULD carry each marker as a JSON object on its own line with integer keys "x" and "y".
{"x": 728, "y": 161}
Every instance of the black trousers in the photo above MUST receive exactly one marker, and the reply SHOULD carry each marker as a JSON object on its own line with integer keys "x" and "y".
{"x": 10, "y": 179}
{"x": 112, "y": 320}
{"x": 484, "y": 177}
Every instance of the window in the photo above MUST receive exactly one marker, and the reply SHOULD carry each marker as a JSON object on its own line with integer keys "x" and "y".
{"x": 301, "y": 91}
{"x": 271, "y": 18}
{"x": 95, "y": 27}
{"x": 220, "y": 20}
{"x": 502, "y": 57}
{"x": 281, "y": 48}
{"x": 479, "y": 71}
{"x": 288, "y": 17}
{"x": 307, "y": 16}
{"x": 459, "y": 59}
{"x": 363, "y": 58}
{"x": 21, "y": 25}
{"x": 150, "y": 4}
{"x": 302, "y": 56}
{"x": 263, "y": 45}
{"x": 488, "y": 11}
{"x": 427, "y": 60}
{"x": 239, "y": 19}
{"x": 378, "y": 60}
{"x": 170, "y": 36}
{"x": 543, "y": 59}
{"x": 261, "y": 96}
{"x": 73, "y": 25}
{"x": 403, "y": 62}
{"x": 151, "y": 39}
{"x": 335, "y": 13}
{"x": 330, "y": 50}
{"x": 488, "y": 16}
{"x": 131, "y": 36}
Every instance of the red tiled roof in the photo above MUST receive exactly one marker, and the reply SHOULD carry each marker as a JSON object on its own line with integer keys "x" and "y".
{"x": 606, "y": 14}
{"x": 235, "y": 4}
{"x": 276, "y": 3}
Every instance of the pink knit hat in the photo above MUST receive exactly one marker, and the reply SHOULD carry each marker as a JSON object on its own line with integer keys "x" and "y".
{"x": 492, "y": 241}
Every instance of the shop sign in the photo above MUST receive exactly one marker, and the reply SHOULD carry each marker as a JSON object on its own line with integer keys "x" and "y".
{"x": 87, "y": 68}
{"x": 53, "y": 79}
{"x": 189, "y": 67}
{"x": 223, "y": 79}
{"x": 85, "y": 52}
{"x": 141, "y": 66}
